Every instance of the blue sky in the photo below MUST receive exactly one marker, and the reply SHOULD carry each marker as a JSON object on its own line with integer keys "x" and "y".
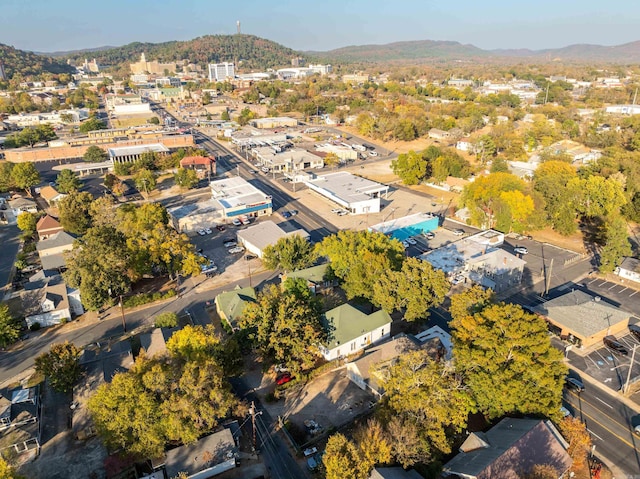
{"x": 50, "y": 25}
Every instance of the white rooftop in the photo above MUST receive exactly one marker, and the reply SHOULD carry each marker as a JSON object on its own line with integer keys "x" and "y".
{"x": 347, "y": 187}
{"x": 199, "y": 208}
{"x": 266, "y": 233}
{"x": 136, "y": 150}
{"x": 236, "y": 191}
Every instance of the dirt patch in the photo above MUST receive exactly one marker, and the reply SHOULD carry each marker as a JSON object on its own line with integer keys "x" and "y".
{"x": 574, "y": 242}
{"x": 393, "y": 146}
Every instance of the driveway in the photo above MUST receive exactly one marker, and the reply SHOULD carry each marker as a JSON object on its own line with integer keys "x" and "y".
{"x": 10, "y": 241}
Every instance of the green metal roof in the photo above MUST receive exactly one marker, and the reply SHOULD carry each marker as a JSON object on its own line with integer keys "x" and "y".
{"x": 346, "y": 323}
{"x": 315, "y": 274}
{"x": 232, "y": 303}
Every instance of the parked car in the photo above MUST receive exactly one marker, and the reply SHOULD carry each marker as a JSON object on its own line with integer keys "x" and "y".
{"x": 208, "y": 231}
{"x": 293, "y": 212}
{"x": 283, "y": 379}
{"x": 310, "y": 451}
{"x": 405, "y": 244}
{"x": 636, "y": 430}
{"x": 565, "y": 412}
{"x": 221, "y": 227}
{"x": 250, "y": 256}
{"x": 575, "y": 384}
{"x": 457, "y": 280}
{"x": 265, "y": 169}
{"x": 458, "y": 232}
{"x": 411, "y": 241}
{"x": 245, "y": 221}
{"x": 520, "y": 250}
{"x": 429, "y": 235}
{"x": 312, "y": 464}
{"x": 230, "y": 243}
{"x": 286, "y": 214}
{"x": 236, "y": 222}
{"x": 202, "y": 232}
{"x": 236, "y": 249}
{"x": 373, "y": 153}
{"x": 635, "y": 330}
{"x": 343, "y": 212}
{"x": 615, "y": 346}
{"x": 336, "y": 210}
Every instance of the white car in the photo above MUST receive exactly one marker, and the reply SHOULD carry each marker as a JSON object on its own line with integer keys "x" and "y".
{"x": 208, "y": 231}
{"x": 405, "y": 244}
{"x": 520, "y": 250}
{"x": 458, "y": 232}
{"x": 373, "y": 153}
{"x": 429, "y": 235}
{"x": 343, "y": 212}
{"x": 236, "y": 249}
{"x": 236, "y": 222}
{"x": 201, "y": 232}
{"x": 411, "y": 241}
{"x": 457, "y": 280}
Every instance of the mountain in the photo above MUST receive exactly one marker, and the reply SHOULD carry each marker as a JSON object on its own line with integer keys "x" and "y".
{"x": 254, "y": 52}
{"x": 29, "y": 63}
{"x": 85, "y": 51}
{"x": 430, "y": 50}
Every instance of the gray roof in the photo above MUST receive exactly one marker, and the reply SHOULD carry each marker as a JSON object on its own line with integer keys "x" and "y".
{"x": 265, "y": 233}
{"x": 155, "y": 342}
{"x": 583, "y": 314}
{"x": 204, "y": 454}
{"x": 514, "y": 446}
{"x": 61, "y": 238}
{"x": 393, "y": 473}
{"x": 347, "y": 187}
{"x": 136, "y": 150}
{"x": 53, "y": 261}
{"x": 631, "y": 264}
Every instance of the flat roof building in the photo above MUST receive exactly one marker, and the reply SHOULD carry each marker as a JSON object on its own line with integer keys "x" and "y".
{"x": 129, "y": 154}
{"x": 295, "y": 159}
{"x": 236, "y": 197}
{"x": 221, "y": 71}
{"x": 356, "y": 194}
{"x": 195, "y": 216}
{"x": 407, "y": 226}
{"x": 274, "y": 122}
{"x": 257, "y": 237}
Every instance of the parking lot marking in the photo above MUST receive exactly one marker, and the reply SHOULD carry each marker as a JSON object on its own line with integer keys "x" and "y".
{"x": 603, "y": 358}
{"x": 622, "y": 290}
{"x": 633, "y": 293}
{"x": 606, "y": 404}
{"x": 593, "y": 280}
{"x": 602, "y": 284}
{"x": 614, "y": 285}
{"x": 595, "y": 363}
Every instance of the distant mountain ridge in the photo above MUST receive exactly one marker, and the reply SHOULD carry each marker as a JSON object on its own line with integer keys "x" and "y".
{"x": 29, "y": 63}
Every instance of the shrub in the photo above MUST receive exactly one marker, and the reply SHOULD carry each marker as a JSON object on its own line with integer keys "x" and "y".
{"x": 145, "y": 298}
{"x": 167, "y": 319}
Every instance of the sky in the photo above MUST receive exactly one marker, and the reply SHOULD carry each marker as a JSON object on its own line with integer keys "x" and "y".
{"x": 60, "y": 25}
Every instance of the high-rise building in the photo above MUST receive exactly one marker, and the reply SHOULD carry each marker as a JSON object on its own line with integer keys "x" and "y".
{"x": 221, "y": 71}
{"x": 3, "y": 74}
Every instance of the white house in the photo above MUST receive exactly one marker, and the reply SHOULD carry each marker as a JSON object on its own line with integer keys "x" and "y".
{"x": 629, "y": 269}
{"x": 50, "y": 304}
{"x": 350, "y": 330}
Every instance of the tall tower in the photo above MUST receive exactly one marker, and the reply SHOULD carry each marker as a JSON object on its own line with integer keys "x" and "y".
{"x": 3, "y": 74}
{"x": 238, "y": 26}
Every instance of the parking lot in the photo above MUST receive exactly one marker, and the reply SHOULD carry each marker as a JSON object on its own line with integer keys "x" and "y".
{"x": 625, "y": 295}
{"x": 608, "y": 367}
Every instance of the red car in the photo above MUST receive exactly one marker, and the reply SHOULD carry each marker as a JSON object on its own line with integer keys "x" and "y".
{"x": 220, "y": 227}
{"x": 285, "y": 378}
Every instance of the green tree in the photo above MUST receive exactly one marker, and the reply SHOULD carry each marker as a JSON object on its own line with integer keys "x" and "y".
{"x": 61, "y": 366}
{"x": 414, "y": 289}
{"x": 597, "y": 196}
{"x": 507, "y": 359}
{"x": 206, "y": 98}
{"x": 616, "y": 246}
{"x": 92, "y": 124}
{"x": 154, "y": 120}
{"x": 224, "y": 116}
{"x": 68, "y": 181}
{"x": 25, "y": 176}
{"x": 186, "y": 178}
{"x": 429, "y": 394}
{"x": 9, "y": 327}
{"x": 361, "y": 258}
{"x": 290, "y": 253}
{"x": 95, "y": 154}
{"x": 168, "y": 319}
{"x": 411, "y": 167}
{"x": 27, "y": 222}
{"x": 145, "y": 180}
{"x": 8, "y": 472}
{"x": 286, "y": 327}
{"x": 6, "y": 179}
{"x": 341, "y": 459}
{"x": 551, "y": 179}
{"x": 75, "y": 214}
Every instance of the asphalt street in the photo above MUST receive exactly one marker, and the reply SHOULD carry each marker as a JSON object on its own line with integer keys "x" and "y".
{"x": 10, "y": 241}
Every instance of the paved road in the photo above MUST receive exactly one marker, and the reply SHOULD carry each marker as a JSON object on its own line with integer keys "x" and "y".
{"x": 10, "y": 241}
{"x": 610, "y": 423}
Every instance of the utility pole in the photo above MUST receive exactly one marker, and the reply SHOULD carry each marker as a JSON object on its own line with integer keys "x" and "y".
{"x": 124, "y": 324}
{"x": 625, "y": 389}
{"x": 252, "y": 411}
{"x": 548, "y": 279}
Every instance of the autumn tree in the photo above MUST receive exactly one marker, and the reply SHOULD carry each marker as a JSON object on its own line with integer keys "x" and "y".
{"x": 597, "y": 196}
{"x": 67, "y": 181}
{"x": 26, "y": 222}
{"x": 414, "y": 289}
{"x": 429, "y": 394}
{"x": 75, "y": 216}
{"x": 186, "y": 178}
{"x": 25, "y": 176}
{"x": 542, "y": 471}
{"x": 374, "y": 446}
{"x": 341, "y": 459}
{"x": 286, "y": 325}
{"x": 507, "y": 359}
{"x": 361, "y": 258}
{"x": 290, "y": 253}
{"x": 411, "y": 167}
{"x": 331, "y": 160}
{"x": 579, "y": 439}
{"x": 61, "y": 366}
{"x": 8, "y": 472}
{"x": 551, "y": 179}
{"x": 9, "y": 326}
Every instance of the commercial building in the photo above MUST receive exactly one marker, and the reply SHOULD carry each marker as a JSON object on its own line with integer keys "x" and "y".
{"x": 356, "y": 78}
{"x": 221, "y": 71}
{"x": 126, "y": 105}
{"x": 168, "y": 82}
{"x": 129, "y": 154}
{"x": 356, "y": 194}
{"x": 343, "y": 152}
{"x": 274, "y": 122}
{"x": 479, "y": 259}
{"x": 623, "y": 109}
{"x": 154, "y": 67}
{"x": 266, "y": 233}
{"x": 52, "y": 118}
{"x": 510, "y": 449}
{"x": 192, "y": 217}
{"x": 351, "y": 330}
{"x": 407, "y": 226}
{"x": 321, "y": 69}
{"x": 580, "y": 316}
{"x": 236, "y": 197}
{"x": 629, "y": 269}
{"x": 294, "y": 159}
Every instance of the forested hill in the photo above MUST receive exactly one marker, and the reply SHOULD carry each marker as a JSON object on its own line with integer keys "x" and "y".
{"x": 29, "y": 63}
{"x": 255, "y": 52}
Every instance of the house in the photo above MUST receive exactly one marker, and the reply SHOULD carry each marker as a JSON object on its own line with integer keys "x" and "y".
{"x": 204, "y": 166}
{"x": 52, "y": 249}
{"x": 210, "y": 456}
{"x": 584, "y": 317}
{"x": 393, "y": 473}
{"x": 629, "y": 269}
{"x": 266, "y": 233}
{"x": 49, "y": 304}
{"x": 438, "y": 134}
{"x": 510, "y": 449}
{"x": 19, "y": 424}
{"x": 51, "y": 195}
{"x": 155, "y": 342}
{"x": 19, "y": 205}
{"x": 356, "y": 194}
{"x": 230, "y": 305}
{"x": 100, "y": 362}
{"x": 351, "y": 330}
{"x": 319, "y": 278}
{"x": 47, "y": 226}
